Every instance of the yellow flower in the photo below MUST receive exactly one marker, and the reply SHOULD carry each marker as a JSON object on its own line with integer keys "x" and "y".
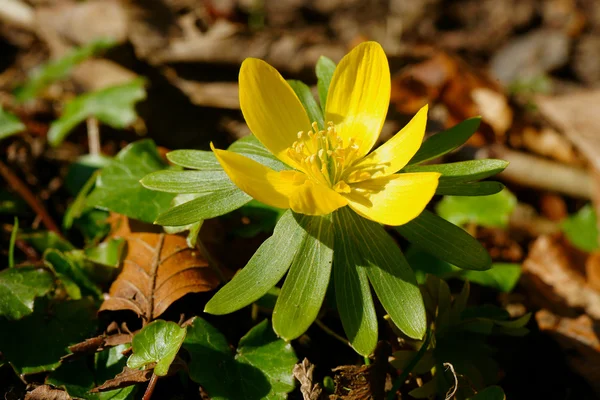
{"x": 331, "y": 167}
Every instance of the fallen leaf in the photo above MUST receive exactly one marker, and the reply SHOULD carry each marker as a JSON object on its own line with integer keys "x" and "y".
{"x": 463, "y": 91}
{"x": 127, "y": 377}
{"x": 553, "y": 270}
{"x": 576, "y": 115}
{"x": 158, "y": 269}
{"x": 304, "y": 373}
{"x": 46, "y": 392}
{"x": 579, "y": 338}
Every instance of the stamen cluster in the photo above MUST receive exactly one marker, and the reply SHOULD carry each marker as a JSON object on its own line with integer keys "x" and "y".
{"x": 324, "y": 156}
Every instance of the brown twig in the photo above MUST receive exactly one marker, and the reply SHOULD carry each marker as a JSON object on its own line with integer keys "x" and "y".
{"x": 21, "y": 188}
{"x": 539, "y": 173}
{"x": 150, "y": 388}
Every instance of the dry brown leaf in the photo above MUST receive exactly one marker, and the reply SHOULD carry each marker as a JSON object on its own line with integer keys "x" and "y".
{"x": 158, "y": 269}
{"x": 125, "y": 378}
{"x": 46, "y": 392}
{"x": 462, "y": 90}
{"x": 304, "y": 373}
{"x": 579, "y": 337}
{"x": 576, "y": 115}
{"x": 555, "y": 272}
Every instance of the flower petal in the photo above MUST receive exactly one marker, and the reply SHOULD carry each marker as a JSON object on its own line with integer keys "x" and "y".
{"x": 394, "y": 199}
{"x": 260, "y": 182}
{"x": 271, "y": 109}
{"x": 394, "y": 154}
{"x": 315, "y": 199}
{"x": 359, "y": 95}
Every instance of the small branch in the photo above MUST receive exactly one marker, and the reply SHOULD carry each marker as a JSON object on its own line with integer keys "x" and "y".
{"x": 331, "y": 333}
{"x": 150, "y": 388}
{"x": 93, "y": 136}
{"x": 539, "y": 173}
{"x": 21, "y": 188}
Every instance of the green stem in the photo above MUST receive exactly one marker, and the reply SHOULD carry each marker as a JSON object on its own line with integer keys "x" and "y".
{"x": 402, "y": 377}
{"x": 367, "y": 361}
{"x": 11, "y": 244}
{"x": 331, "y": 332}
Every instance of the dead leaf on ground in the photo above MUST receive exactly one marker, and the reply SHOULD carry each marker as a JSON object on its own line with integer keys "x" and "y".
{"x": 462, "y": 90}
{"x": 46, "y": 392}
{"x": 130, "y": 376}
{"x": 127, "y": 377}
{"x": 304, "y": 373}
{"x": 576, "y": 115}
{"x": 579, "y": 337}
{"x": 555, "y": 272}
{"x": 96, "y": 344}
{"x": 158, "y": 269}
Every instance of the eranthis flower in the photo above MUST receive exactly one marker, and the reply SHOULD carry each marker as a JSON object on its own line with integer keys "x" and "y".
{"x": 331, "y": 167}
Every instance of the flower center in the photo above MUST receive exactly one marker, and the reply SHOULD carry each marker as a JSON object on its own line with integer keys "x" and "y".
{"x": 322, "y": 154}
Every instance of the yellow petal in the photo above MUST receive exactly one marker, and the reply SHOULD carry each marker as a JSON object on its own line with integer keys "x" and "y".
{"x": 260, "y": 182}
{"x": 315, "y": 199}
{"x": 394, "y": 199}
{"x": 271, "y": 109}
{"x": 394, "y": 154}
{"x": 359, "y": 95}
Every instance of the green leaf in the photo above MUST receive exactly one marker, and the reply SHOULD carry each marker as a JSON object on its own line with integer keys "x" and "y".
{"x": 459, "y": 178}
{"x": 107, "y": 253}
{"x": 266, "y": 267}
{"x": 10, "y": 124}
{"x": 446, "y": 241}
{"x": 490, "y": 393}
{"x": 211, "y": 205}
{"x": 71, "y": 265}
{"x": 82, "y": 169}
{"x": 324, "y": 69}
{"x": 193, "y": 228}
{"x": 252, "y": 148}
{"x": 390, "y": 275}
{"x": 308, "y": 102}
{"x": 464, "y": 171}
{"x": 158, "y": 342}
{"x": 78, "y": 379}
{"x": 490, "y": 211}
{"x": 500, "y": 276}
{"x": 118, "y": 188}
{"x": 19, "y": 287}
{"x": 581, "y": 229}
{"x": 114, "y": 106}
{"x": 195, "y": 159}
{"x": 43, "y": 240}
{"x": 446, "y": 141}
{"x": 36, "y": 343}
{"x": 305, "y": 286}
{"x": 352, "y": 290}
{"x": 184, "y": 182}
{"x": 59, "y": 69}
{"x": 485, "y": 188}
{"x": 260, "y": 369}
